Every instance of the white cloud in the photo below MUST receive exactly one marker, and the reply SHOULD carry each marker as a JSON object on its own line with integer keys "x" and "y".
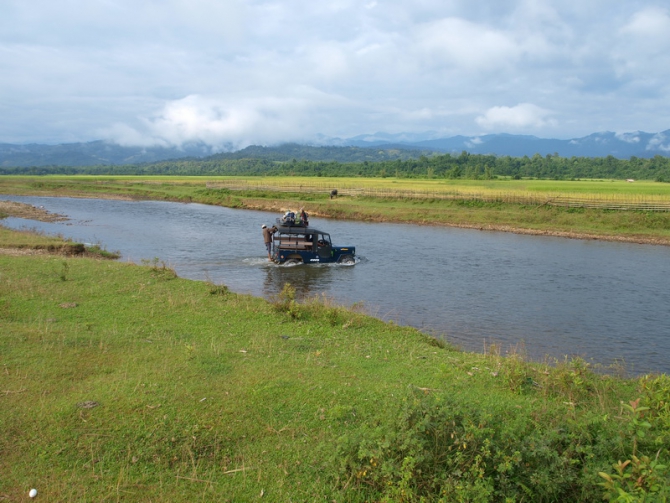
{"x": 521, "y": 116}
{"x": 465, "y": 44}
{"x": 628, "y": 137}
{"x": 239, "y": 120}
{"x": 658, "y": 142}
{"x": 641, "y": 53}
{"x": 650, "y": 22}
{"x": 328, "y": 61}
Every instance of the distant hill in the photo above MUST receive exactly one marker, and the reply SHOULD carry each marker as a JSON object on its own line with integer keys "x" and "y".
{"x": 328, "y": 153}
{"x": 621, "y": 146}
{"x": 102, "y": 153}
{"x": 372, "y": 148}
{"x": 94, "y": 153}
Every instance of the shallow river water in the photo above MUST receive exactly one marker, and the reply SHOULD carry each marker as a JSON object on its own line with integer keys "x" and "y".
{"x": 549, "y": 297}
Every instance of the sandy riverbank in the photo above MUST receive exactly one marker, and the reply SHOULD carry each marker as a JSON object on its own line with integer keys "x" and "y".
{"x": 28, "y": 211}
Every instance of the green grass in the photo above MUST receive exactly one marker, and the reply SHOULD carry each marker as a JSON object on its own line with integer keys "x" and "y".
{"x": 180, "y": 185}
{"x": 28, "y": 240}
{"x": 205, "y": 395}
{"x": 31, "y": 240}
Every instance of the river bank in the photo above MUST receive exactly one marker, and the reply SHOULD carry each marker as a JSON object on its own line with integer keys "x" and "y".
{"x": 124, "y": 381}
{"x": 574, "y": 223}
{"x": 20, "y": 210}
{"x": 28, "y": 211}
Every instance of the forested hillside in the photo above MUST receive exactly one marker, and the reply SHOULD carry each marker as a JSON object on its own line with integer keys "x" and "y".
{"x": 290, "y": 151}
{"x": 468, "y": 166}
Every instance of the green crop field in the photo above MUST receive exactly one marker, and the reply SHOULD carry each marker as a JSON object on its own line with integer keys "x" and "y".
{"x": 584, "y": 187}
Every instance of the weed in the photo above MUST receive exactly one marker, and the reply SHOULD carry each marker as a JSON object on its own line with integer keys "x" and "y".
{"x": 637, "y": 480}
{"x": 160, "y": 268}
{"x": 285, "y": 302}
{"x": 656, "y": 396}
{"x": 215, "y": 289}
{"x": 64, "y": 271}
{"x": 98, "y": 250}
{"x": 640, "y": 478}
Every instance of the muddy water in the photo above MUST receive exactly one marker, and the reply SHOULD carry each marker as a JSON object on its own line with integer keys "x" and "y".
{"x": 554, "y": 297}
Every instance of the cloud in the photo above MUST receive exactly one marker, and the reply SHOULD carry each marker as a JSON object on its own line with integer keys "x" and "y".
{"x": 259, "y": 70}
{"x": 649, "y": 22}
{"x": 521, "y": 116}
{"x": 224, "y": 121}
{"x": 474, "y": 142}
{"x": 658, "y": 142}
{"x": 628, "y": 137}
{"x": 464, "y": 44}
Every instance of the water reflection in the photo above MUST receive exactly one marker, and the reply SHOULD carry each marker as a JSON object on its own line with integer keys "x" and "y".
{"x": 308, "y": 280}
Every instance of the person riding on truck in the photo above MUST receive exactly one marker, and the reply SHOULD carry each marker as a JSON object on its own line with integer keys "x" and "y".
{"x": 303, "y": 217}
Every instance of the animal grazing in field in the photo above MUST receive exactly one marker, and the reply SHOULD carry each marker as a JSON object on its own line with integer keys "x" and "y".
{"x": 333, "y": 193}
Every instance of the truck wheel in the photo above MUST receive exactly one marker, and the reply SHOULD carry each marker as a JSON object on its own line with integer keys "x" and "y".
{"x": 346, "y": 259}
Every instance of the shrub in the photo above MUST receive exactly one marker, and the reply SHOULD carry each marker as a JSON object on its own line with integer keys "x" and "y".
{"x": 285, "y": 302}
{"x": 440, "y": 449}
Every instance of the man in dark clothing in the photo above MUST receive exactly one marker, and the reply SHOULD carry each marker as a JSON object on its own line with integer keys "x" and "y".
{"x": 267, "y": 238}
{"x": 303, "y": 217}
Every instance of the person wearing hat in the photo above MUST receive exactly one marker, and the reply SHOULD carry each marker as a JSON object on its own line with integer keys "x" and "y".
{"x": 267, "y": 238}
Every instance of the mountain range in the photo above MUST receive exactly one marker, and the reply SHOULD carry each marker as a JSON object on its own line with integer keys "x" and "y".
{"x": 376, "y": 146}
{"x": 622, "y": 146}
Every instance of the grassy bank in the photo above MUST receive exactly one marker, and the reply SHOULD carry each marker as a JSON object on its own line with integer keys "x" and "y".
{"x": 124, "y": 382}
{"x": 31, "y": 243}
{"x": 470, "y": 207}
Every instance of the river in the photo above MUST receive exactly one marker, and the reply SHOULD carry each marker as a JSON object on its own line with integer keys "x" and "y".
{"x": 545, "y": 297}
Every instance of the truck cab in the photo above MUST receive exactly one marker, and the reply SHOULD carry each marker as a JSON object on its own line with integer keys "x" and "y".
{"x": 306, "y": 245}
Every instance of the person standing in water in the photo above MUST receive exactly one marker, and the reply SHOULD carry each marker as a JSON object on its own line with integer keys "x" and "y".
{"x": 267, "y": 238}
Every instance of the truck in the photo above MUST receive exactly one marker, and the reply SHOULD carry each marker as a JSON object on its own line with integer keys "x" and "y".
{"x": 300, "y": 244}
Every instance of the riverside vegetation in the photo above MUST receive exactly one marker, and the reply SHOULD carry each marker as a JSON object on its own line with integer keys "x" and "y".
{"x": 125, "y": 382}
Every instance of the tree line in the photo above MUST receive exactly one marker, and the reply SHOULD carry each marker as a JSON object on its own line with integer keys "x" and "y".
{"x": 462, "y": 166}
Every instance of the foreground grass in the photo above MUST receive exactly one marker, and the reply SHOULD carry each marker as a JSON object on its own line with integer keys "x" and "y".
{"x": 633, "y": 226}
{"x": 121, "y": 382}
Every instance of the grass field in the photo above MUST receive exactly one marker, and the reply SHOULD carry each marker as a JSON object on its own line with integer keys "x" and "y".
{"x": 125, "y": 383}
{"x": 604, "y": 188}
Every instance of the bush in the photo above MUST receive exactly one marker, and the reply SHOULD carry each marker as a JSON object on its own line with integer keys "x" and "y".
{"x": 443, "y": 449}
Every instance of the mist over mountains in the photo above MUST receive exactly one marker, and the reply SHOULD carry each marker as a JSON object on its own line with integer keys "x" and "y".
{"x": 379, "y": 146}
{"x": 622, "y": 146}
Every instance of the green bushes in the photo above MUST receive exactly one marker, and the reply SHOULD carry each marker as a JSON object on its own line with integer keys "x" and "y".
{"x": 442, "y": 448}
{"x": 447, "y": 446}
{"x": 644, "y": 477}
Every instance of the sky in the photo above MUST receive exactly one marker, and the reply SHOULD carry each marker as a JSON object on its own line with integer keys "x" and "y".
{"x": 232, "y": 73}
